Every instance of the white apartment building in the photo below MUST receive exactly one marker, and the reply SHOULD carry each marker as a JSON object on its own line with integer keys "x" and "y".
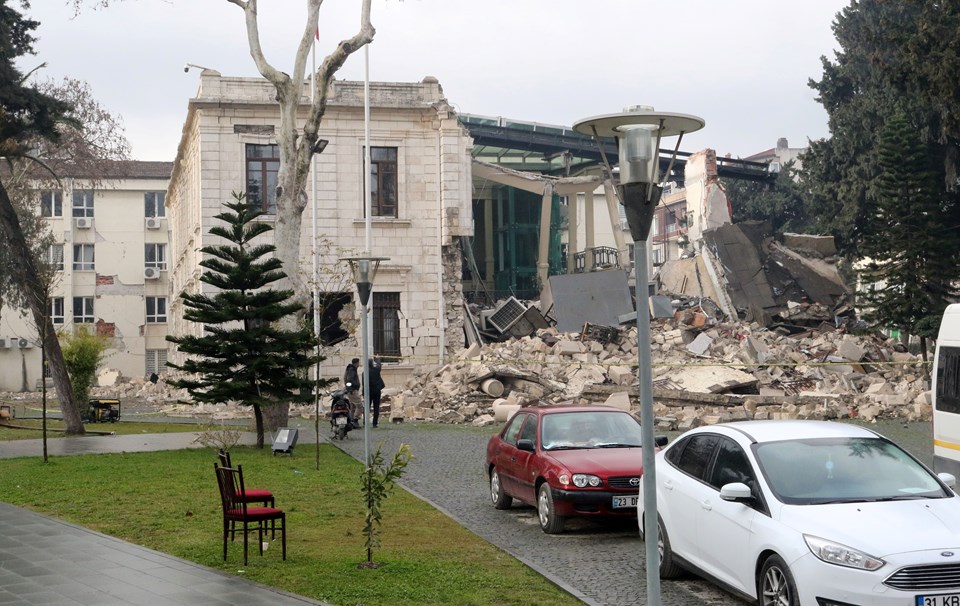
{"x": 421, "y": 202}
{"x": 112, "y": 241}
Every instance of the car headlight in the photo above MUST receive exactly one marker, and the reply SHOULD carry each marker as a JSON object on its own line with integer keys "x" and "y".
{"x": 841, "y": 555}
{"x": 582, "y": 480}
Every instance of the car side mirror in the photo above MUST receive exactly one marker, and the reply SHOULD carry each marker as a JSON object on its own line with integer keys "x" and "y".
{"x": 661, "y": 441}
{"x": 736, "y": 492}
{"x": 525, "y": 445}
{"x": 949, "y": 479}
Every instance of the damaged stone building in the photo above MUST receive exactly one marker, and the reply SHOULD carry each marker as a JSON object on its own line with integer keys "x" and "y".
{"x": 420, "y": 169}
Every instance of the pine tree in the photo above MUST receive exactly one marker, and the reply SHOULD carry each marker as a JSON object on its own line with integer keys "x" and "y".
{"x": 244, "y": 355}
{"x": 909, "y": 239}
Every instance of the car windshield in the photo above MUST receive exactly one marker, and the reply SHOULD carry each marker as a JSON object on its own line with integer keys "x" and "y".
{"x": 589, "y": 429}
{"x": 844, "y": 470}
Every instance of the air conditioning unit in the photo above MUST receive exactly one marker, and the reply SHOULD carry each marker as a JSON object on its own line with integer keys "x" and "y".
{"x": 23, "y": 343}
{"x": 151, "y": 273}
{"x": 4, "y": 343}
{"x": 152, "y": 222}
{"x": 83, "y": 222}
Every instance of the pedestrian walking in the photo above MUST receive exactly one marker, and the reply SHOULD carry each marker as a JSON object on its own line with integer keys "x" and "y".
{"x": 376, "y": 387}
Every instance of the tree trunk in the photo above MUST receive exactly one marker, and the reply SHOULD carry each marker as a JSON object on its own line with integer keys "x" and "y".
{"x": 36, "y": 295}
{"x": 258, "y": 419}
{"x": 275, "y": 416}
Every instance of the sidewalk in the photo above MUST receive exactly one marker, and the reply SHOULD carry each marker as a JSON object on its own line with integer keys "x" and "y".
{"x": 53, "y": 563}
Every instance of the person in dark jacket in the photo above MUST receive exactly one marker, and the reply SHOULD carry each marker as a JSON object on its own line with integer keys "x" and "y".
{"x": 376, "y": 387}
{"x": 351, "y": 382}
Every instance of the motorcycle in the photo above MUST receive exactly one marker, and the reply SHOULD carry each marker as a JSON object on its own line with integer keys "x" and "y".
{"x": 340, "y": 423}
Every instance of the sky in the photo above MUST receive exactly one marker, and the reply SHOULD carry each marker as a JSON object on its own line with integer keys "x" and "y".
{"x": 741, "y": 65}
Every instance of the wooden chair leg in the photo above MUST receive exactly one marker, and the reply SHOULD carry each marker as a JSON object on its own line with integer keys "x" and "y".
{"x": 226, "y": 526}
{"x": 283, "y": 534}
{"x": 245, "y": 533}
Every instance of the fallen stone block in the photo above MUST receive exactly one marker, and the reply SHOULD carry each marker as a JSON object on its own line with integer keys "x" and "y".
{"x": 619, "y": 400}
{"x": 700, "y": 345}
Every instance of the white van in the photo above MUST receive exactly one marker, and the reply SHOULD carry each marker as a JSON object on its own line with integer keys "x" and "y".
{"x": 946, "y": 394}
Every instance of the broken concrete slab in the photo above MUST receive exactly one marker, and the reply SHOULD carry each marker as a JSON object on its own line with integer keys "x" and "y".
{"x": 700, "y": 345}
{"x": 598, "y": 297}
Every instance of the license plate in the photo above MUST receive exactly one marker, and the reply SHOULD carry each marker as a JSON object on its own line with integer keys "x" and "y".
{"x": 631, "y": 501}
{"x": 341, "y": 420}
{"x": 945, "y": 599}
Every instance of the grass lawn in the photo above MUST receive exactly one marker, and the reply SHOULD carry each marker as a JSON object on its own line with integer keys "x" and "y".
{"x": 168, "y": 501}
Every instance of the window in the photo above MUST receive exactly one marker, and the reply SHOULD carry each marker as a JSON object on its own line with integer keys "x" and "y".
{"x": 56, "y": 310}
{"x": 513, "y": 429}
{"x": 948, "y": 380}
{"x": 695, "y": 455}
{"x": 155, "y": 255}
{"x": 386, "y": 324}
{"x": 156, "y": 361}
{"x": 529, "y": 430}
{"x": 263, "y": 162}
{"x": 51, "y": 204}
{"x": 671, "y": 220}
{"x": 83, "y": 310}
{"x": 83, "y": 203}
{"x": 83, "y": 257}
{"x": 153, "y": 204}
{"x": 731, "y": 466}
{"x": 383, "y": 181}
{"x": 156, "y": 310}
{"x": 55, "y": 257}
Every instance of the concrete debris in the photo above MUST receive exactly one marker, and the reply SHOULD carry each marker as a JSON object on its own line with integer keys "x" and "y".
{"x": 703, "y": 371}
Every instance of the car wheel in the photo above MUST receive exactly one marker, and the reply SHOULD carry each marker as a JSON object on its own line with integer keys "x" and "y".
{"x": 775, "y": 584}
{"x": 500, "y": 499}
{"x": 668, "y": 568}
{"x": 550, "y": 522}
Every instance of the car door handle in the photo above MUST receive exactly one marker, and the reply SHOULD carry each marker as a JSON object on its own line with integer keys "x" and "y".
{"x": 668, "y": 485}
{"x": 706, "y": 505}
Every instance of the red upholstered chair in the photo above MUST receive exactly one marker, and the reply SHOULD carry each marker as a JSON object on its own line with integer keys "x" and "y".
{"x": 252, "y": 495}
{"x": 237, "y": 511}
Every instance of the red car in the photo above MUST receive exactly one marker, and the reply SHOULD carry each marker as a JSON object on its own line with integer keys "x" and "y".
{"x": 568, "y": 461}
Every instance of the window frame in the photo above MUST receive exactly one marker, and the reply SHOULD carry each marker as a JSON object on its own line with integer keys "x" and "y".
{"x": 155, "y": 360}
{"x": 380, "y": 171}
{"x": 54, "y": 260}
{"x": 55, "y": 317}
{"x": 82, "y": 203}
{"x": 269, "y": 166}
{"x": 155, "y": 207}
{"x": 80, "y": 263}
{"x": 159, "y": 254}
{"x": 386, "y": 309}
{"x": 87, "y": 310}
{"x": 51, "y": 203}
{"x": 158, "y": 313}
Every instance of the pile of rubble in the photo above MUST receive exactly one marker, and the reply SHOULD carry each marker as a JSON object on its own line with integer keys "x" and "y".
{"x": 704, "y": 371}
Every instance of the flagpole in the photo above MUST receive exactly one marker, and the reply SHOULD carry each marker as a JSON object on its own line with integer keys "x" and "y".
{"x": 316, "y": 252}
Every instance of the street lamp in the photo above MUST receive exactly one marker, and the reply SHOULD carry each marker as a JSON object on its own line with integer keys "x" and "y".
{"x": 638, "y": 131}
{"x": 364, "y": 270}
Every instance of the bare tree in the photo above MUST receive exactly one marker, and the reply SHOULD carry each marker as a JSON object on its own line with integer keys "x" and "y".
{"x": 86, "y": 136}
{"x": 296, "y": 148}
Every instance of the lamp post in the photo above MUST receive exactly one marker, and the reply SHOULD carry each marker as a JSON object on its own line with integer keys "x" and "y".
{"x": 638, "y": 131}
{"x": 364, "y": 270}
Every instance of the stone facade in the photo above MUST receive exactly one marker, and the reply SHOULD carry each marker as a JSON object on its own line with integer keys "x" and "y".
{"x": 116, "y": 282}
{"x": 421, "y": 241}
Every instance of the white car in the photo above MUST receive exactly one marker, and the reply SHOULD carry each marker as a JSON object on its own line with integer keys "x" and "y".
{"x": 807, "y": 512}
